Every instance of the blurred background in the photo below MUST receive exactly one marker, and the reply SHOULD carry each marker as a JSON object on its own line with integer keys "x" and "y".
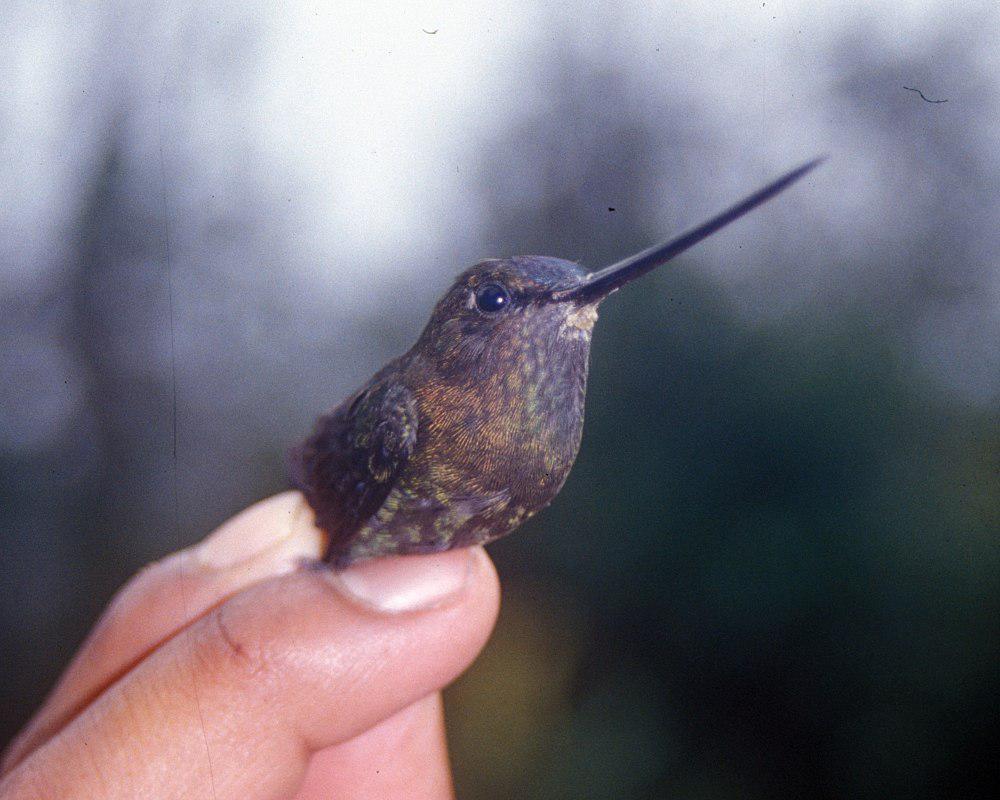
{"x": 774, "y": 569}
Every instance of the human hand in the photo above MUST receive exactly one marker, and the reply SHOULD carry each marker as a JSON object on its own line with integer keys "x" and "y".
{"x": 229, "y": 671}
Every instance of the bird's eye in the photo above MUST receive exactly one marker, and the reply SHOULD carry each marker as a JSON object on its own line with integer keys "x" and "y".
{"x": 492, "y": 297}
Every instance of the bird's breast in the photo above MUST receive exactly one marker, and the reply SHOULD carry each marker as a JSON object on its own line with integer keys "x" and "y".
{"x": 516, "y": 428}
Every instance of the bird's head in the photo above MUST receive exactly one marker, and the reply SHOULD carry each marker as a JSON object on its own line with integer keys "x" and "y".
{"x": 503, "y": 308}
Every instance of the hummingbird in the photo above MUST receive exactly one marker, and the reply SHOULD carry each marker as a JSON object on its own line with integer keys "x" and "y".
{"x": 472, "y": 431}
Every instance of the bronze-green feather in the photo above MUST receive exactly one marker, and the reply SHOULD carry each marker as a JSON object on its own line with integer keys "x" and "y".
{"x": 473, "y": 430}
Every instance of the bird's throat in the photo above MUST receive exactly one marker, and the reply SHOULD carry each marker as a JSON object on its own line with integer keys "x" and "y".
{"x": 581, "y": 319}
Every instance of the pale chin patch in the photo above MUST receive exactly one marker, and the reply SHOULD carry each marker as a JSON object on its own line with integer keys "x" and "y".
{"x": 580, "y": 321}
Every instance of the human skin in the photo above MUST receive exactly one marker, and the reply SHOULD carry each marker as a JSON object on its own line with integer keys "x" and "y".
{"x": 233, "y": 669}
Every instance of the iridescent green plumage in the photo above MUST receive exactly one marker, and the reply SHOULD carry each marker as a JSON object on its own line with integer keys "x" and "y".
{"x": 465, "y": 436}
{"x": 475, "y": 429}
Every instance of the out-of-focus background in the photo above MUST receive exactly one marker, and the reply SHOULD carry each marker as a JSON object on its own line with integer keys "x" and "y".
{"x": 774, "y": 569}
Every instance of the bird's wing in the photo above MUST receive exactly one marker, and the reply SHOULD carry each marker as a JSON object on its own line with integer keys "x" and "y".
{"x": 351, "y": 462}
{"x": 383, "y": 431}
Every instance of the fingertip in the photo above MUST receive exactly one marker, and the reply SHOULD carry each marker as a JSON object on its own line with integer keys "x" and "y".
{"x": 406, "y": 584}
{"x": 284, "y": 520}
{"x": 340, "y": 654}
{"x": 486, "y": 581}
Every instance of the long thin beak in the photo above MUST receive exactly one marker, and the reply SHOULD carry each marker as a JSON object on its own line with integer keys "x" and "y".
{"x": 600, "y": 284}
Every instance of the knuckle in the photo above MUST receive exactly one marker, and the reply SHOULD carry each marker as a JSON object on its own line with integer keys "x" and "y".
{"x": 233, "y": 653}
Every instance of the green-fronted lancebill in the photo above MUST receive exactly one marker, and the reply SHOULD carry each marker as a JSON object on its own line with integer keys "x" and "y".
{"x": 461, "y": 439}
